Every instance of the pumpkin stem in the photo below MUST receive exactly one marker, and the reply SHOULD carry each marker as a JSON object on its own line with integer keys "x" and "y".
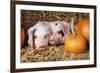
{"x": 72, "y": 26}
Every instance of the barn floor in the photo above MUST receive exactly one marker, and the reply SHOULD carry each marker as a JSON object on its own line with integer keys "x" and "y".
{"x": 52, "y": 53}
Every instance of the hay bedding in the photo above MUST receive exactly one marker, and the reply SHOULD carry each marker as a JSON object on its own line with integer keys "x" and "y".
{"x": 52, "y": 53}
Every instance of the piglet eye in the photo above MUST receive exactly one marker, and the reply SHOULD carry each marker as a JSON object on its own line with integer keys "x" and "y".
{"x": 46, "y": 36}
{"x": 61, "y": 32}
{"x": 56, "y": 24}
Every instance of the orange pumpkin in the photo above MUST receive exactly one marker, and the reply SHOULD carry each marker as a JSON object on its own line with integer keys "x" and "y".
{"x": 22, "y": 37}
{"x": 83, "y": 28}
{"x": 75, "y": 43}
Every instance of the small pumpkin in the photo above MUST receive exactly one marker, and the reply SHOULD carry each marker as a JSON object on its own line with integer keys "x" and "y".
{"x": 75, "y": 43}
{"x": 22, "y": 36}
{"x": 83, "y": 28}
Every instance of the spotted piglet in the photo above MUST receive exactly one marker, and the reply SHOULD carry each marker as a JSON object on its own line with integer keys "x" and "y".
{"x": 39, "y": 35}
{"x": 60, "y": 30}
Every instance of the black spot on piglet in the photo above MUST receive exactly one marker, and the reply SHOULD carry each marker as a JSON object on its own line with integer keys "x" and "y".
{"x": 61, "y": 32}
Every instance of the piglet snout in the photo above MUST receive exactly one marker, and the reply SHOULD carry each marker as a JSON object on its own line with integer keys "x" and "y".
{"x": 43, "y": 46}
{"x": 52, "y": 42}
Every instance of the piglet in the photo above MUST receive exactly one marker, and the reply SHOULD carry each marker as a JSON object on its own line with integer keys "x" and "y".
{"x": 60, "y": 30}
{"x": 39, "y": 35}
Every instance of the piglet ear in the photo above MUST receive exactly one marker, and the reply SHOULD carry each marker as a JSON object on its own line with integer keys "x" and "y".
{"x": 65, "y": 28}
{"x": 30, "y": 36}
